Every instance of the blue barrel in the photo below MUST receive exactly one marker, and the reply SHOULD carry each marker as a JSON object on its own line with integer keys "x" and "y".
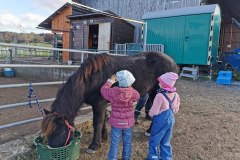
{"x": 8, "y": 72}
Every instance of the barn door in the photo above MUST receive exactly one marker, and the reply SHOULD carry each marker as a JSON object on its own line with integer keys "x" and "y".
{"x": 104, "y": 36}
{"x": 196, "y": 40}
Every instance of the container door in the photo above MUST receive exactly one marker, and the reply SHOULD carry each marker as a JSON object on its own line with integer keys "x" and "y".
{"x": 196, "y": 40}
{"x": 104, "y": 36}
{"x": 170, "y": 33}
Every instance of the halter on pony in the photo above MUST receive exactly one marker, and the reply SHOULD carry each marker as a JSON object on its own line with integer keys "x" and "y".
{"x": 70, "y": 128}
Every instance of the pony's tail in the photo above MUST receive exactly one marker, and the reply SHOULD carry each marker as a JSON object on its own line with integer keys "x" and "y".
{"x": 48, "y": 125}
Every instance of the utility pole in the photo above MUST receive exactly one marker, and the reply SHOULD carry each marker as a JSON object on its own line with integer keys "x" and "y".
{"x": 15, "y": 48}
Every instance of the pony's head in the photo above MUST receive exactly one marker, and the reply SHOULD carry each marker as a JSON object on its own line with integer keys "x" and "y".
{"x": 56, "y": 129}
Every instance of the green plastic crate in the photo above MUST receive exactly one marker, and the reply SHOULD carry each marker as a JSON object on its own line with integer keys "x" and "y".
{"x": 69, "y": 152}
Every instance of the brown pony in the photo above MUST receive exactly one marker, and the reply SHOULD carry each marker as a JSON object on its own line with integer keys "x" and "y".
{"x": 84, "y": 87}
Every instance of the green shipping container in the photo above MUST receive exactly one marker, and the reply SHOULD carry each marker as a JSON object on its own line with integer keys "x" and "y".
{"x": 189, "y": 35}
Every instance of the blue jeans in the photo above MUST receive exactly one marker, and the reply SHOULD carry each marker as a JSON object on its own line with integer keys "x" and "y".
{"x": 140, "y": 104}
{"x": 116, "y": 134}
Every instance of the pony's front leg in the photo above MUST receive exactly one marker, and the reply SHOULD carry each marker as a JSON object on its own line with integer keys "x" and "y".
{"x": 104, "y": 129}
{"x": 98, "y": 124}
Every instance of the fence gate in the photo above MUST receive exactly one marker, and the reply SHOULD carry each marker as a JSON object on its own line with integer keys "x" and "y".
{"x": 154, "y": 47}
{"x": 133, "y": 48}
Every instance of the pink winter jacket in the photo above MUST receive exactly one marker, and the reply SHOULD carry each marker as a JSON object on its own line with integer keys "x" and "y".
{"x": 121, "y": 100}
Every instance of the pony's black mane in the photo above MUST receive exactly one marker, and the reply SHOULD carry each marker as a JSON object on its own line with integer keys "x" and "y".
{"x": 69, "y": 97}
{"x": 92, "y": 65}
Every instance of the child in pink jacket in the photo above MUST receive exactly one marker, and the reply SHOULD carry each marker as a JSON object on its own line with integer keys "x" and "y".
{"x": 165, "y": 104}
{"x": 121, "y": 119}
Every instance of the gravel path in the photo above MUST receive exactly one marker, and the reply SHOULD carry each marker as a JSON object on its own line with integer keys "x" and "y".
{"x": 207, "y": 125}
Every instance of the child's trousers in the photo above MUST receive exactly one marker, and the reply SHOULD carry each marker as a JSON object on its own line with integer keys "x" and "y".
{"x": 116, "y": 134}
{"x": 140, "y": 104}
{"x": 161, "y": 134}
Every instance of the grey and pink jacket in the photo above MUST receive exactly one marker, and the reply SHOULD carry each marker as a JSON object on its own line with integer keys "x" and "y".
{"x": 121, "y": 100}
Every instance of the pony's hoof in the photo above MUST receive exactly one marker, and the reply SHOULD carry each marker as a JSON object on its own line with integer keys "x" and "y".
{"x": 104, "y": 138}
{"x": 90, "y": 151}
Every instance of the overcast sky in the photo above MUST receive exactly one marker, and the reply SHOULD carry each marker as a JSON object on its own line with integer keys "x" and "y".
{"x": 25, "y": 15}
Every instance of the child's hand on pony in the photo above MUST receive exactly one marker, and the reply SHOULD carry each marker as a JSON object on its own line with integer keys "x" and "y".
{"x": 114, "y": 78}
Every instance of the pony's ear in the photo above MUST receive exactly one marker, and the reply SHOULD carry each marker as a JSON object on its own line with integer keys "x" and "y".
{"x": 46, "y": 111}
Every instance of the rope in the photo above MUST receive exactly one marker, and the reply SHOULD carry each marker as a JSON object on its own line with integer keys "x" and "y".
{"x": 31, "y": 91}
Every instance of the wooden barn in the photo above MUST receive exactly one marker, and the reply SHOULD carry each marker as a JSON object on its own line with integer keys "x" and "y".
{"x": 97, "y": 31}
{"x": 59, "y": 24}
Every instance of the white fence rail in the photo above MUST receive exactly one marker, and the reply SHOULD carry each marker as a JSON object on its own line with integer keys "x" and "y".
{"x": 11, "y": 52}
{"x": 36, "y": 84}
{"x": 124, "y": 48}
{"x": 26, "y": 103}
{"x": 31, "y": 120}
{"x": 121, "y": 48}
{"x": 154, "y": 47}
{"x": 38, "y": 66}
{"x": 27, "y": 84}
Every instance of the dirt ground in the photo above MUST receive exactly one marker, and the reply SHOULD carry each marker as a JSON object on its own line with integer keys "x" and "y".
{"x": 207, "y": 125}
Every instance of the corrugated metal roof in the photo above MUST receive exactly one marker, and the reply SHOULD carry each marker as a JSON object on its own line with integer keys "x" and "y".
{"x": 98, "y": 14}
{"x": 229, "y": 8}
{"x": 47, "y": 23}
{"x": 180, "y": 12}
{"x": 94, "y": 14}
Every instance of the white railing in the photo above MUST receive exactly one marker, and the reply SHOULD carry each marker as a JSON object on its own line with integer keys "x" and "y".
{"x": 37, "y": 66}
{"x": 121, "y": 48}
{"x": 124, "y": 49}
{"x": 36, "y": 84}
{"x": 154, "y": 47}
{"x": 27, "y": 84}
{"x": 33, "y": 50}
{"x": 26, "y": 103}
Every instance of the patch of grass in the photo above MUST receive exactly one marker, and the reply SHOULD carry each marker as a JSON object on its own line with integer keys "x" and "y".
{"x": 205, "y": 78}
{"x": 236, "y": 75}
{"x": 40, "y": 44}
{"x": 26, "y": 53}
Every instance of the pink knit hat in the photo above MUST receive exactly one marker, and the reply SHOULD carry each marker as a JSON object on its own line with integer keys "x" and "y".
{"x": 168, "y": 80}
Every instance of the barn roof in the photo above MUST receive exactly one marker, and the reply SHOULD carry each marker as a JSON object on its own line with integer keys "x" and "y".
{"x": 97, "y": 14}
{"x": 91, "y": 15}
{"x": 229, "y": 8}
{"x": 47, "y": 23}
{"x": 180, "y": 12}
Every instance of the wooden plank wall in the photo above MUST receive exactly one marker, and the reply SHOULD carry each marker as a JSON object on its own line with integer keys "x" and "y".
{"x": 60, "y": 24}
{"x": 136, "y": 8}
{"x": 123, "y": 32}
{"x": 226, "y": 39}
{"x": 59, "y": 21}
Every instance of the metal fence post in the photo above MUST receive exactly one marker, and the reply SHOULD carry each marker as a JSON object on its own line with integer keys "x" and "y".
{"x": 6, "y": 56}
{"x": 58, "y": 57}
{"x": 10, "y": 55}
{"x": 81, "y": 57}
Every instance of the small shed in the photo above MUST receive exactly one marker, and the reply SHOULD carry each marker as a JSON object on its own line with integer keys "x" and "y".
{"x": 59, "y": 24}
{"x": 230, "y": 28}
{"x": 99, "y": 31}
{"x": 189, "y": 35}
